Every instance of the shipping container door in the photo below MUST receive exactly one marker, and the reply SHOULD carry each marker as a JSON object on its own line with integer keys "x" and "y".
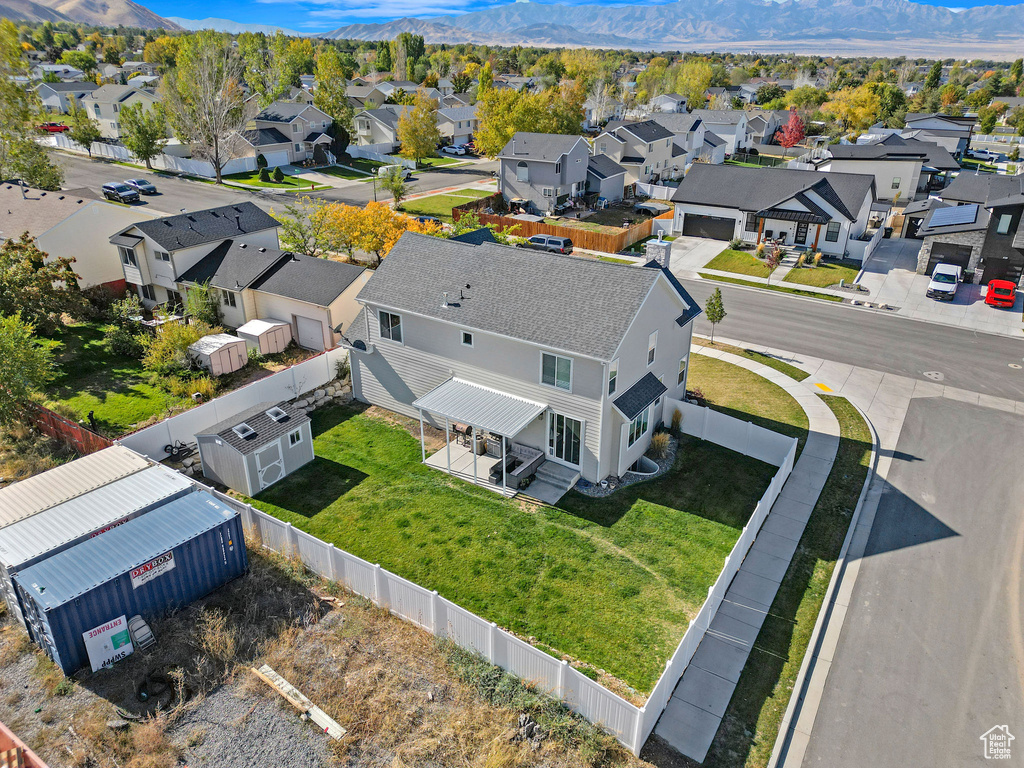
{"x": 270, "y": 465}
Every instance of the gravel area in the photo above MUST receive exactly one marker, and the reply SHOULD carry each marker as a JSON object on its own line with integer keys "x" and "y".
{"x": 595, "y": 491}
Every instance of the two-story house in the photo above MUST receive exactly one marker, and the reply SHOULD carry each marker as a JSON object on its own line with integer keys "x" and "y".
{"x": 64, "y": 72}
{"x": 730, "y": 125}
{"x": 952, "y": 132}
{"x": 596, "y": 112}
{"x": 457, "y": 124}
{"x": 379, "y": 127}
{"x": 106, "y": 102}
{"x": 234, "y": 250}
{"x": 542, "y": 172}
{"x": 668, "y": 102}
{"x": 644, "y": 149}
{"x": 561, "y": 362}
{"x": 688, "y": 133}
{"x": 57, "y": 97}
{"x": 303, "y": 125}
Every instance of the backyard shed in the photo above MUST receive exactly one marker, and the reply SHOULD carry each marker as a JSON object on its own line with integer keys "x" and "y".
{"x": 268, "y": 337}
{"x": 254, "y": 449}
{"x": 50, "y": 532}
{"x": 156, "y": 563}
{"x": 32, "y": 495}
{"x": 220, "y": 353}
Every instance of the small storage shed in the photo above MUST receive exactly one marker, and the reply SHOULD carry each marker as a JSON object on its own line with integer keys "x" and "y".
{"x": 35, "y": 494}
{"x": 220, "y": 353}
{"x": 156, "y": 563}
{"x": 267, "y": 336}
{"x": 256, "y": 448}
{"x": 35, "y": 538}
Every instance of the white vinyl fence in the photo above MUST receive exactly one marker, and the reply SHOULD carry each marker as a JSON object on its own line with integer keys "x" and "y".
{"x": 861, "y": 250}
{"x": 426, "y": 609}
{"x": 162, "y": 162}
{"x": 379, "y": 153}
{"x": 655, "y": 191}
{"x": 283, "y": 385}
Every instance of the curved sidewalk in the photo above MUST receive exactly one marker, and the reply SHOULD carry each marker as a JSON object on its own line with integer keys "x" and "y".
{"x": 691, "y": 719}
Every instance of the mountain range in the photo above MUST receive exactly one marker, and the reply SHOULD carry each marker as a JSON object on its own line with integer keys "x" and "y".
{"x": 106, "y": 13}
{"x": 232, "y": 27}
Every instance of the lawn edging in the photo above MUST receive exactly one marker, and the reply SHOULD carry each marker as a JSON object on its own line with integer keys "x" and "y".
{"x": 797, "y": 696}
{"x": 801, "y": 293}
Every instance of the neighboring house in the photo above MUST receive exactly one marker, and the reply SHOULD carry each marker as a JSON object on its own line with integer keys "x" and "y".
{"x": 643, "y": 149}
{"x": 951, "y": 132}
{"x": 668, "y": 102}
{"x": 808, "y": 209}
{"x": 385, "y": 90}
{"x": 557, "y": 357}
{"x": 358, "y": 96}
{"x": 763, "y": 124}
{"x": 63, "y": 71}
{"x": 543, "y": 171}
{"x": 914, "y": 215}
{"x": 457, "y": 124}
{"x": 305, "y": 127}
{"x": 728, "y": 124}
{"x": 106, "y": 102}
{"x": 605, "y": 178}
{"x": 143, "y": 67}
{"x": 70, "y": 223}
{"x": 981, "y": 230}
{"x": 728, "y": 91}
{"x": 298, "y": 95}
{"x": 687, "y": 134}
{"x": 597, "y": 112}
{"x": 1011, "y": 102}
{"x": 455, "y": 100}
{"x": 713, "y": 150}
{"x": 56, "y": 97}
{"x": 376, "y": 127}
{"x": 275, "y": 147}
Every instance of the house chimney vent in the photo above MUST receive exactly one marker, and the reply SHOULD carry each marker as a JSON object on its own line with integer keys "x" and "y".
{"x": 444, "y": 304}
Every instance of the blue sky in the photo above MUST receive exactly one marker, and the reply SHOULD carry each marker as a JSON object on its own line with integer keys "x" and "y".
{"x": 310, "y": 15}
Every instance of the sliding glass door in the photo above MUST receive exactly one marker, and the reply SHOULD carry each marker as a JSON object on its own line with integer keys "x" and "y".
{"x": 564, "y": 436}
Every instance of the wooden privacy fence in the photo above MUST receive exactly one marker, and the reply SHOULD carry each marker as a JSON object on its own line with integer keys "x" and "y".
{"x": 630, "y": 724}
{"x": 82, "y": 439}
{"x": 14, "y": 752}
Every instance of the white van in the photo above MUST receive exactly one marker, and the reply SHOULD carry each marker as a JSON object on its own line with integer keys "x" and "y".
{"x": 384, "y": 170}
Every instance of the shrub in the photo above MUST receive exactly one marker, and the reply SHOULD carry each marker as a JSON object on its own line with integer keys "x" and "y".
{"x": 122, "y": 312}
{"x": 202, "y": 303}
{"x": 659, "y": 445}
{"x": 168, "y": 351}
{"x": 342, "y": 369}
{"x": 677, "y": 421}
{"x": 737, "y": 244}
{"x": 801, "y": 259}
{"x": 264, "y": 175}
{"x": 817, "y": 258}
{"x": 120, "y": 340}
{"x": 184, "y": 386}
{"x": 255, "y": 356}
{"x": 760, "y": 250}
{"x": 261, "y": 161}
{"x": 278, "y": 175}
{"x": 99, "y": 300}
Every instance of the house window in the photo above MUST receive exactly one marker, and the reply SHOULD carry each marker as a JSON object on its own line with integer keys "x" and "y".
{"x": 295, "y": 127}
{"x": 467, "y": 339}
{"x": 148, "y": 293}
{"x": 895, "y": 182}
{"x": 603, "y": 149}
{"x": 1003, "y": 228}
{"x": 298, "y": 147}
{"x": 650, "y": 147}
{"x": 652, "y": 345}
{"x": 522, "y": 171}
{"x": 163, "y": 256}
{"x": 556, "y": 371}
{"x": 229, "y": 299}
{"x": 751, "y": 225}
{"x": 117, "y": 108}
{"x": 647, "y": 170}
{"x": 682, "y": 372}
{"x": 128, "y": 256}
{"x": 295, "y": 437}
{"x": 558, "y": 167}
{"x": 391, "y": 326}
{"x": 832, "y": 233}
{"x": 638, "y": 426}
{"x": 96, "y": 109}
{"x": 613, "y": 376}
{"x": 548, "y": 192}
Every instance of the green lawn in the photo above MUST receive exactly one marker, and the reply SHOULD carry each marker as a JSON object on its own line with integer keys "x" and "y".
{"x": 772, "y": 287}
{"x": 613, "y": 260}
{"x": 740, "y": 262}
{"x": 741, "y": 163}
{"x": 441, "y": 205}
{"x": 252, "y": 179}
{"x": 342, "y": 172}
{"x": 435, "y": 162}
{"x": 825, "y": 274}
{"x": 583, "y": 224}
{"x": 89, "y": 378}
{"x": 790, "y": 370}
{"x": 969, "y": 163}
{"x": 611, "y": 582}
{"x": 747, "y": 734}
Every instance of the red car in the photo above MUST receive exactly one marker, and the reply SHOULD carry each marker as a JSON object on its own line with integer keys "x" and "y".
{"x": 1001, "y": 293}
{"x": 53, "y": 128}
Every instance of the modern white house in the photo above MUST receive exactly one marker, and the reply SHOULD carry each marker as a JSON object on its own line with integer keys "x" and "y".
{"x": 794, "y": 208}
{"x": 549, "y": 366}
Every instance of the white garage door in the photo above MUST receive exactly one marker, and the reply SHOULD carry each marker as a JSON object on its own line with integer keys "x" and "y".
{"x": 275, "y": 159}
{"x": 311, "y": 333}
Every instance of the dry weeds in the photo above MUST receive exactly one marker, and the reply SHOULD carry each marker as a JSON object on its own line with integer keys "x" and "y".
{"x": 24, "y": 452}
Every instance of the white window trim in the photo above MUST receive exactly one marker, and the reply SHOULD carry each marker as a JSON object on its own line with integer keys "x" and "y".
{"x": 557, "y": 357}
{"x": 652, "y": 345}
{"x": 684, "y": 363}
{"x": 128, "y": 256}
{"x": 401, "y": 327}
{"x": 462, "y": 338}
{"x": 230, "y": 300}
{"x": 613, "y": 376}
{"x": 297, "y": 441}
{"x": 633, "y": 438}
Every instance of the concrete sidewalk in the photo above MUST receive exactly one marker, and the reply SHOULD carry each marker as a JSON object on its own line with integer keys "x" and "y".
{"x": 691, "y": 719}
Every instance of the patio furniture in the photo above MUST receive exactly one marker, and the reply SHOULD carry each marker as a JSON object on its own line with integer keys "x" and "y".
{"x": 521, "y": 462}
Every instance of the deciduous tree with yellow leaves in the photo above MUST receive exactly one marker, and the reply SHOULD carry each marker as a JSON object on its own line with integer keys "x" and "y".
{"x": 374, "y": 229}
{"x": 854, "y": 109}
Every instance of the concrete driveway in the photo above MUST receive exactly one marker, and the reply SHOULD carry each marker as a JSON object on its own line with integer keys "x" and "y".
{"x": 690, "y": 254}
{"x": 891, "y": 277}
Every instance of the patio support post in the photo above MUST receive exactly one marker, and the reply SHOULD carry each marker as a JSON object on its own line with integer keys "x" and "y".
{"x": 760, "y": 228}
{"x": 472, "y": 444}
{"x": 503, "y": 464}
{"x": 423, "y": 444}
{"x": 448, "y": 445}
{"x": 817, "y": 234}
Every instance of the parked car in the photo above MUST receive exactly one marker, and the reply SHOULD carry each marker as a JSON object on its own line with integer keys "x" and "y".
{"x": 944, "y": 282}
{"x": 53, "y": 128}
{"x": 384, "y": 170}
{"x": 121, "y": 192}
{"x": 1001, "y": 293}
{"x": 550, "y": 243}
{"x": 429, "y": 220}
{"x": 984, "y": 154}
{"x": 455, "y": 149}
{"x": 141, "y": 186}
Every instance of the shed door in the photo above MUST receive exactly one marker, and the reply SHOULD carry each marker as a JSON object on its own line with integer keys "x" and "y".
{"x": 269, "y": 465}
{"x": 949, "y": 253}
{"x": 714, "y": 227}
{"x": 311, "y": 333}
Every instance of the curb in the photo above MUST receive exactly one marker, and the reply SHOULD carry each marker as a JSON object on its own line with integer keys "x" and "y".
{"x": 780, "y": 752}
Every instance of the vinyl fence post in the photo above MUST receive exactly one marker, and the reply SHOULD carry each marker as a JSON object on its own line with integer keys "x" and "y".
{"x": 291, "y": 547}
{"x": 378, "y": 589}
{"x": 561, "y": 678}
{"x": 492, "y": 636}
{"x": 331, "y": 554}
{"x": 750, "y": 434}
{"x": 434, "y": 599}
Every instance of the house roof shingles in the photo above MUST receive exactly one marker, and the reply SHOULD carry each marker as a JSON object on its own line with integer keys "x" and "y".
{"x": 604, "y": 167}
{"x": 185, "y": 230}
{"x": 309, "y": 279}
{"x": 545, "y": 147}
{"x": 640, "y": 395}
{"x": 231, "y": 266}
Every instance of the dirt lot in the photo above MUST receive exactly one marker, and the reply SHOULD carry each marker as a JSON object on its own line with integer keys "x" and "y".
{"x": 403, "y": 698}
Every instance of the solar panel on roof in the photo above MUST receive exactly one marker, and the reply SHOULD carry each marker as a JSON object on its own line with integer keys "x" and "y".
{"x": 955, "y": 216}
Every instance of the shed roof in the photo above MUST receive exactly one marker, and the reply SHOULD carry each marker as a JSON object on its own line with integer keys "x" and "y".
{"x": 80, "y": 569}
{"x": 258, "y": 327}
{"x": 265, "y": 428}
{"x": 210, "y": 344}
{"x": 481, "y": 407}
{"x": 35, "y": 494}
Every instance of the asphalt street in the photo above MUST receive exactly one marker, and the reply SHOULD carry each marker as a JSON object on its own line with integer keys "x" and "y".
{"x": 969, "y": 360}
{"x": 176, "y": 194}
{"x": 931, "y": 655}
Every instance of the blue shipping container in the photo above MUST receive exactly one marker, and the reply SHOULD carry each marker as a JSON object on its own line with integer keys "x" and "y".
{"x": 151, "y": 565}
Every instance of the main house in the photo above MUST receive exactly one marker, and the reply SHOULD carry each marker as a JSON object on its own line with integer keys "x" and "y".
{"x": 543, "y": 172}
{"x": 688, "y": 136}
{"x": 234, "y": 250}
{"x": 106, "y": 102}
{"x": 644, "y": 149}
{"x": 302, "y": 127}
{"x": 457, "y": 125}
{"x": 554, "y": 359}
{"x": 808, "y": 209}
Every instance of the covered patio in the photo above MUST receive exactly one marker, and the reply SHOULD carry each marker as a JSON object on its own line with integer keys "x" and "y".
{"x": 484, "y": 422}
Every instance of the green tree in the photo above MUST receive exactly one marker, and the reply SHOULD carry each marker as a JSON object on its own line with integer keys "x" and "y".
{"x": 394, "y": 182}
{"x": 25, "y": 367}
{"x": 18, "y": 105}
{"x": 144, "y": 131}
{"x": 82, "y": 129}
{"x": 383, "y": 62}
{"x": 891, "y": 100}
{"x": 769, "y": 92}
{"x": 693, "y": 81}
{"x": 1017, "y": 71}
{"x": 82, "y": 60}
{"x": 501, "y": 114}
{"x": 307, "y": 227}
{"x": 934, "y": 77}
{"x": 485, "y": 80}
{"x": 31, "y": 162}
{"x": 714, "y": 311}
{"x": 461, "y": 82}
{"x": 329, "y": 95}
{"x": 417, "y": 128}
{"x": 35, "y": 286}
{"x": 202, "y": 303}
{"x": 168, "y": 352}
{"x": 986, "y": 120}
